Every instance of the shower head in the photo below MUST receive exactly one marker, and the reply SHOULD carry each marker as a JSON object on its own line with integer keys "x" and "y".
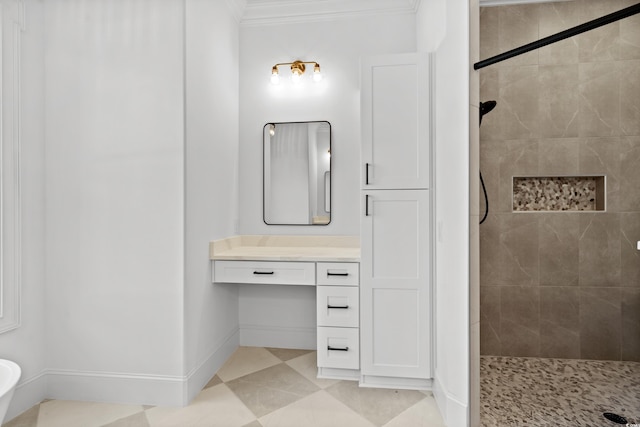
{"x": 486, "y": 108}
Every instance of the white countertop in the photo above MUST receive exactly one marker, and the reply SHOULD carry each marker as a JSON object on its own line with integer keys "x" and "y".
{"x": 286, "y": 248}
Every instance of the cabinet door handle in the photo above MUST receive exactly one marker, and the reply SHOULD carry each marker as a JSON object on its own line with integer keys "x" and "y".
{"x": 337, "y": 348}
{"x": 366, "y": 205}
{"x": 366, "y": 174}
{"x": 337, "y": 274}
{"x": 263, "y": 272}
{"x": 344, "y": 307}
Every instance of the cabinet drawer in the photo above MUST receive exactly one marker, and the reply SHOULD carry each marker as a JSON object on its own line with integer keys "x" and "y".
{"x": 338, "y": 306}
{"x": 265, "y": 272}
{"x": 338, "y": 273}
{"x": 338, "y": 348}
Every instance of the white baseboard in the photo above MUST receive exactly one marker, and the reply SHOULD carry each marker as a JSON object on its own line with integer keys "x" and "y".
{"x": 115, "y": 387}
{"x": 124, "y": 388}
{"x": 395, "y": 382}
{"x": 278, "y": 336}
{"x": 339, "y": 374}
{"x": 204, "y": 371}
{"x": 454, "y": 413}
{"x": 27, "y": 394}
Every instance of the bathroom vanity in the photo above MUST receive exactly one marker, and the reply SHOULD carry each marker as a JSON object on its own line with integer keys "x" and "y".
{"x": 328, "y": 263}
{"x": 373, "y": 295}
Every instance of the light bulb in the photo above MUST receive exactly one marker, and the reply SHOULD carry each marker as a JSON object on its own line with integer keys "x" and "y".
{"x": 317, "y": 76}
{"x": 296, "y": 77}
{"x": 275, "y": 78}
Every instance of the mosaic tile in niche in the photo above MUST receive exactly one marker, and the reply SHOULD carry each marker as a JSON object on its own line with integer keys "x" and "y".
{"x": 564, "y": 193}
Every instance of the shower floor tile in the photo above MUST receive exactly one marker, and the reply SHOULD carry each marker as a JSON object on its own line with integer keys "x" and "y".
{"x": 557, "y": 392}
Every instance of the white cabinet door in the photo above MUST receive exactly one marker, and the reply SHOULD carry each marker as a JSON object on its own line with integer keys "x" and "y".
{"x": 395, "y": 121}
{"x": 394, "y": 289}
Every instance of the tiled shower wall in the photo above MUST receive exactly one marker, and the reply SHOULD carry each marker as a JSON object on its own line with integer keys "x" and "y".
{"x": 561, "y": 284}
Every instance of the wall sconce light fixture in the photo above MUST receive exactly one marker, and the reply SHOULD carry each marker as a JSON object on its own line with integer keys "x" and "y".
{"x": 297, "y": 70}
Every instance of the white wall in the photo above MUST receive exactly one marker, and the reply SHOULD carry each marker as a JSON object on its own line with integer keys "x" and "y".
{"x": 443, "y": 26}
{"x": 115, "y": 200}
{"x": 25, "y": 345}
{"x": 211, "y": 311}
{"x": 337, "y": 46}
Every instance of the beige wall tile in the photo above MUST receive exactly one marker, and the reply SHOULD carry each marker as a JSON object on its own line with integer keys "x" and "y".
{"x": 558, "y": 342}
{"x": 520, "y": 321}
{"x": 518, "y": 158}
{"x": 629, "y": 178}
{"x": 517, "y": 26}
{"x": 629, "y": 254}
{"x": 556, "y": 17}
{"x": 558, "y": 156}
{"x": 629, "y": 97}
{"x": 490, "y": 320}
{"x": 558, "y": 237}
{"x": 559, "y": 306}
{"x": 474, "y": 270}
{"x": 490, "y": 154}
{"x": 474, "y": 160}
{"x": 630, "y": 34}
{"x": 600, "y": 44}
{"x": 631, "y": 324}
{"x": 489, "y": 44}
{"x": 519, "y": 250}
{"x": 474, "y": 378}
{"x": 599, "y": 106}
{"x": 490, "y": 250}
{"x": 599, "y": 249}
{"x": 489, "y": 90}
{"x": 518, "y": 101}
{"x": 600, "y": 320}
{"x": 572, "y": 108}
{"x": 558, "y": 100}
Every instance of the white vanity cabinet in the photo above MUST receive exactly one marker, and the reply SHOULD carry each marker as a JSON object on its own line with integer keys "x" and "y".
{"x": 395, "y": 288}
{"x": 395, "y": 292}
{"x": 395, "y": 121}
{"x": 265, "y": 272}
{"x": 330, "y": 324}
{"x": 337, "y": 304}
{"x": 338, "y": 319}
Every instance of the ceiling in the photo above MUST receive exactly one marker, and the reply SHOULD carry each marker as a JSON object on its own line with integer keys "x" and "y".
{"x": 261, "y": 12}
{"x": 258, "y": 12}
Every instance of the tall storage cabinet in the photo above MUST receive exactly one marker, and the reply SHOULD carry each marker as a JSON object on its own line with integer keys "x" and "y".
{"x": 395, "y": 289}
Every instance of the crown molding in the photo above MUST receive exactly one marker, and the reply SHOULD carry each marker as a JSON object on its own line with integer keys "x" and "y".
{"x": 484, "y": 3}
{"x": 270, "y": 12}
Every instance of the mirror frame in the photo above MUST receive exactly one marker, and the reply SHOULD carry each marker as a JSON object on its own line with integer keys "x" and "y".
{"x": 328, "y": 201}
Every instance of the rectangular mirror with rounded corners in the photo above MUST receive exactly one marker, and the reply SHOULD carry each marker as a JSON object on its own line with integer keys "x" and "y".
{"x": 297, "y": 173}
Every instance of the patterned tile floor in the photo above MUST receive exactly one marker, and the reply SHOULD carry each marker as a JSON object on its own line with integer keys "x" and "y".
{"x": 557, "y": 392}
{"x": 257, "y": 387}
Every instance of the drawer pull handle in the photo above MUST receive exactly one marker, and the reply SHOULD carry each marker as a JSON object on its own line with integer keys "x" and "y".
{"x": 336, "y": 274}
{"x": 366, "y": 179}
{"x": 263, "y": 272}
{"x": 344, "y": 307}
{"x": 337, "y": 348}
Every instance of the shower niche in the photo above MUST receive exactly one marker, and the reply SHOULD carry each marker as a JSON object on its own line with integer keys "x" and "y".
{"x": 559, "y": 193}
